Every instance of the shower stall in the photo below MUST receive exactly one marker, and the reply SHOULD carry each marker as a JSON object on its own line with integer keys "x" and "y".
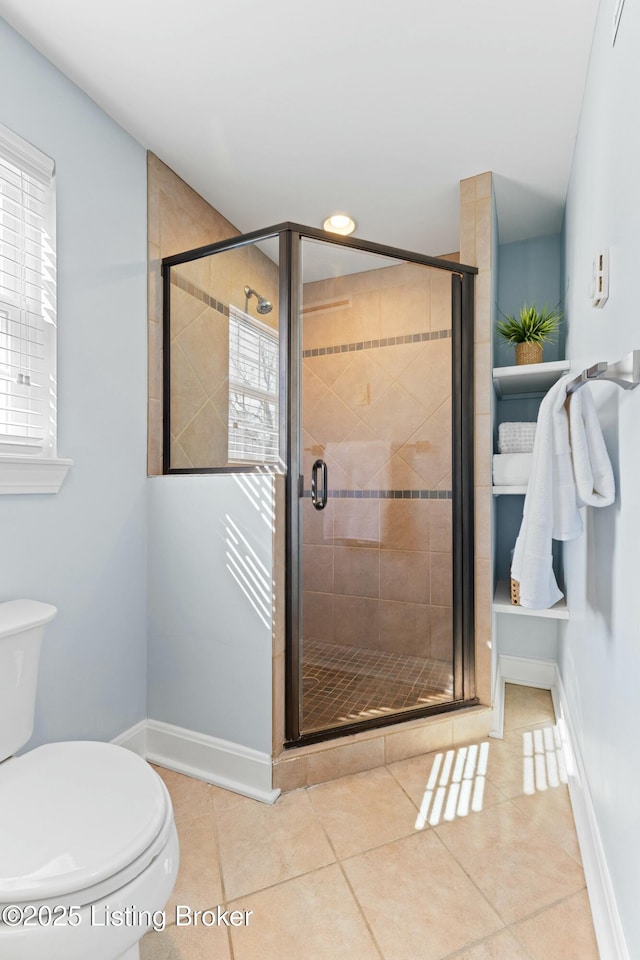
{"x": 347, "y": 366}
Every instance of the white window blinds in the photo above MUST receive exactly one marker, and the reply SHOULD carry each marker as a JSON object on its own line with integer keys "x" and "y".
{"x": 253, "y": 390}
{"x": 27, "y": 299}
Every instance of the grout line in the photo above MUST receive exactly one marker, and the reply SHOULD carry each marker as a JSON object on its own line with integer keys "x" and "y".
{"x": 548, "y": 906}
{"x": 214, "y": 830}
{"x": 510, "y": 801}
{"x": 511, "y": 927}
{"x": 404, "y": 790}
{"x": 436, "y": 833}
{"x": 463, "y": 951}
{"x": 346, "y": 879}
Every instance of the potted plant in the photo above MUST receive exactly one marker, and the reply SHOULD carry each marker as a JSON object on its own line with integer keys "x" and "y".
{"x": 530, "y": 331}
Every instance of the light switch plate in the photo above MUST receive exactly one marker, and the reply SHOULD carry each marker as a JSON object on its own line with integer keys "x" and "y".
{"x": 599, "y": 288}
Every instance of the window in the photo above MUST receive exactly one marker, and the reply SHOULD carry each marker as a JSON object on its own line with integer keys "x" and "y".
{"x": 253, "y": 390}
{"x": 27, "y": 317}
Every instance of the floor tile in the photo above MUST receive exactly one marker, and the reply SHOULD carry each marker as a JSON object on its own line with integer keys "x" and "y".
{"x": 524, "y": 706}
{"x": 348, "y": 682}
{"x": 506, "y": 765}
{"x": 511, "y": 861}
{"x": 190, "y": 798}
{"x": 314, "y": 916}
{"x": 550, "y": 811}
{"x": 199, "y": 884}
{"x": 445, "y": 785}
{"x": 440, "y": 851}
{"x": 417, "y": 899}
{"x": 261, "y": 845}
{"x": 564, "y": 932}
{"x": 186, "y": 943}
{"x": 503, "y": 946}
{"x": 225, "y": 800}
{"x": 363, "y": 810}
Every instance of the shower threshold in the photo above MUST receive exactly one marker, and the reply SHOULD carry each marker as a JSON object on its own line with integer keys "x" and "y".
{"x": 346, "y": 684}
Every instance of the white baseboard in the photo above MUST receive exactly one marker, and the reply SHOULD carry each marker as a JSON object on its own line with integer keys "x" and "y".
{"x": 606, "y": 919}
{"x": 525, "y": 671}
{"x": 225, "y": 764}
{"x": 134, "y": 739}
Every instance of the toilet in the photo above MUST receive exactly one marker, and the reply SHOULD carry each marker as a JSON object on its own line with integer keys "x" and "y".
{"x": 88, "y": 846}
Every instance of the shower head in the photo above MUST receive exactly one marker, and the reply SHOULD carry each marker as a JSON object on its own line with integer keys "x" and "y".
{"x": 264, "y": 306}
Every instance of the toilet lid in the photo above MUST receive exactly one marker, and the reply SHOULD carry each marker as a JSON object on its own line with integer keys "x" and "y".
{"x": 73, "y": 814}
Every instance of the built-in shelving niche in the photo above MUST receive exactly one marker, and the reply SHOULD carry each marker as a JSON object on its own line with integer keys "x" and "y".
{"x": 526, "y": 383}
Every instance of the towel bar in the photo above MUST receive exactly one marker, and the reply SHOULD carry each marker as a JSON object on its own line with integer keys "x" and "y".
{"x": 626, "y": 373}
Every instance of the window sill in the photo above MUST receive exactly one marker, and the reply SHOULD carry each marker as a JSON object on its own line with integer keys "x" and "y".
{"x": 20, "y": 475}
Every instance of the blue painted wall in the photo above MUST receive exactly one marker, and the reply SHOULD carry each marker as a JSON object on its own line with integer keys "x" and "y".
{"x": 210, "y": 605}
{"x": 84, "y": 549}
{"x": 600, "y": 648}
{"x": 529, "y": 271}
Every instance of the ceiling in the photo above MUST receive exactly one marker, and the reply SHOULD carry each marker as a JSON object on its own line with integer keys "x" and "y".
{"x": 283, "y": 110}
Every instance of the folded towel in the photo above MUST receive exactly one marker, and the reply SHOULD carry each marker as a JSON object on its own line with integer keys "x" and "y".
{"x": 511, "y": 469}
{"x": 555, "y": 492}
{"x": 516, "y": 437}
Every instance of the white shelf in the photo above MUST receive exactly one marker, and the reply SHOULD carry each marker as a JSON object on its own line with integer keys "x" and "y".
{"x": 528, "y": 380}
{"x": 502, "y": 604}
{"x": 503, "y": 491}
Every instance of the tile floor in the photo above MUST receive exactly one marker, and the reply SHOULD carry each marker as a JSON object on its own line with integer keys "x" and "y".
{"x": 343, "y": 683}
{"x": 468, "y": 854}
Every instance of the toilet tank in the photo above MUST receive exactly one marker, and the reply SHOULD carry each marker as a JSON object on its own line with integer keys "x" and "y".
{"x": 22, "y": 624}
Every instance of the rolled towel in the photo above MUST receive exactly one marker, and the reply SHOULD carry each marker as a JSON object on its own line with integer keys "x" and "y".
{"x": 511, "y": 469}
{"x": 516, "y": 437}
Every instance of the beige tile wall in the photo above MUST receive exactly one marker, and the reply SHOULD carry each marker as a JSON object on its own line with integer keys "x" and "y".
{"x": 476, "y": 225}
{"x": 200, "y": 349}
{"x": 381, "y": 419}
{"x": 178, "y": 220}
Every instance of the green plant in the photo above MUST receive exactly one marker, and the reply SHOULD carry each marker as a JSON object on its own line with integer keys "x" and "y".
{"x": 532, "y": 325}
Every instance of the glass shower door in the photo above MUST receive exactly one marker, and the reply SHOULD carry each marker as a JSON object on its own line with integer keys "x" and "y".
{"x": 375, "y": 543}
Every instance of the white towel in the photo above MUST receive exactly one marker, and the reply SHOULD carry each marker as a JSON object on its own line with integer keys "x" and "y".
{"x": 552, "y": 501}
{"x": 511, "y": 469}
{"x": 516, "y": 436}
{"x": 595, "y": 485}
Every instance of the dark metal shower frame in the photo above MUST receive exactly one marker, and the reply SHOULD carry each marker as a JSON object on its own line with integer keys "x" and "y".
{"x": 462, "y": 308}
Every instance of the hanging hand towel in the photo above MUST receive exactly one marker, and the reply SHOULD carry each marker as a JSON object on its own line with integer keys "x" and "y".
{"x": 595, "y": 486}
{"x": 553, "y": 499}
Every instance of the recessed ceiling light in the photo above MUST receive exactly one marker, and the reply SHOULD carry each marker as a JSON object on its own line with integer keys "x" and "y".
{"x": 339, "y": 223}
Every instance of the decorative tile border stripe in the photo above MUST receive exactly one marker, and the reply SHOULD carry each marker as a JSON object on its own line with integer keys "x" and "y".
{"x": 199, "y": 294}
{"x": 222, "y": 308}
{"x": 388, "y": 494}
{"x": 375, "y": 344}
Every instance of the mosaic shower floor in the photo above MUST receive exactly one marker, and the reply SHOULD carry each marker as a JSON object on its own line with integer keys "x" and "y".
{"x": 344, "y": 684}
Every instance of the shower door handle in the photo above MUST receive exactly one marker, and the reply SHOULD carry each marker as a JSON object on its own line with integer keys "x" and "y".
{"x": 319, "y": 502}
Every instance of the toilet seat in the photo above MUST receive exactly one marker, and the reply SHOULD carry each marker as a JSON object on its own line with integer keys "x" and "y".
{"x": 78, "y": 820}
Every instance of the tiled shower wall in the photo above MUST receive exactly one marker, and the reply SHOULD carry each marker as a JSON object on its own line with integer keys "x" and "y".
{"x": 376, "y": 399}
{"x": 178, "y": 220}
{"x": 201, "y": 293}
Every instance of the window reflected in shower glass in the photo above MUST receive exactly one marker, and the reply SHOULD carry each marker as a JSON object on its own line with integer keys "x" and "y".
{"x": 253, "y": 390}
{"x": 224, "y": 360}
{"x": 376, "y": 592}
